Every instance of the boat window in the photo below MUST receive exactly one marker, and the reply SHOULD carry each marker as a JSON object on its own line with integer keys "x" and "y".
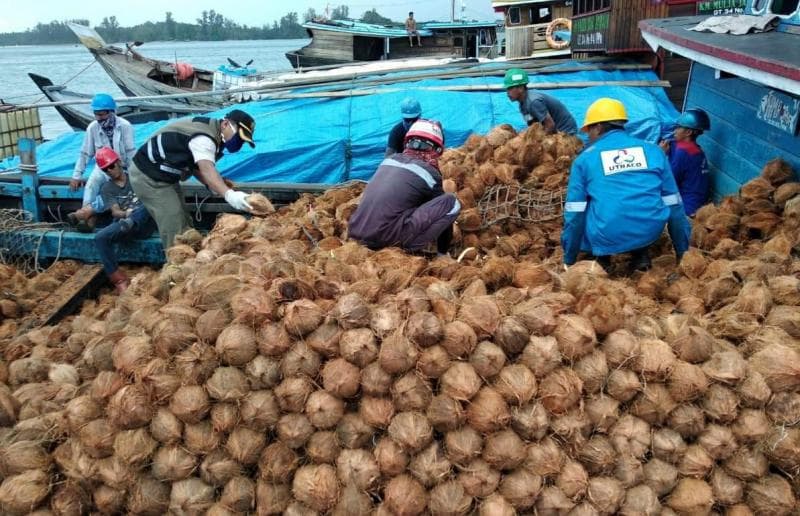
{"x": 514, "y": 17}
{"x": 588, "y": 6}
{"x": 759, "y": 5}
{"x": 783, "y": 7}
{"x": 541, "y": 14}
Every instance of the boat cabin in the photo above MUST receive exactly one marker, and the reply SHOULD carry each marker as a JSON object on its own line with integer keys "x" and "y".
{"x": 337, "y": 42}
{"x": 535, "y": 27}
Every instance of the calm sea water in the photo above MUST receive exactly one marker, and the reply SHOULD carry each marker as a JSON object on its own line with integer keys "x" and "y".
{"x": 75, "y": 66}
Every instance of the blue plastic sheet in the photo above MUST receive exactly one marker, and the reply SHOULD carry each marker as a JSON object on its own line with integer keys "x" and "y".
{"x": 332, "y": 140}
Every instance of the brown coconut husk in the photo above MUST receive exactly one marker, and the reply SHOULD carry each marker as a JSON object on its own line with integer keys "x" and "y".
{"x": 503, "y": 450}
{"x": 696, "y": 462}
{"x": 754, "y": 391}
{"x": 459, "y": 339}
{"x": 278, "y": 463}
{"x": 606, "y": 494}
{"x": 629, "y": 471}
{"x": 218, "y": 468}
{"x": 653, "y": 404}
{"x": 444, "y": 413}
{"x": 784, "y": 408}
{"x": 631, "y": 435}
{"x": 432, "y": 362}
{"x": 190, "y": 404}
{"x": 405, "y": 495}
{"x": 592, "y": 369}
{"x": 597, "y": 455}
{"x": 411, "y": 430}
{"x": 538, "y": 318}
{"x": 552, "y": 501}
{"x": 602, "y": 412}
{"x": 718, "y": 441}
{"x": 294, "y": 429}
{"x": 18, "y": 457}
{"x": 496, "y": 505}
{"x": 516, "y": 383}
{"x": 656, "y": 359}
{"x": 575, "y": 335}
{"x": 21, "y": 493}
{"x": 341, "y": 378}
{"x": 263, "y": 372}
{"x": 97, "y": 438}
{"x": 424, "y": 329}
{"x": 777, "y": 172}
{"x": 397, "y": 353}
{"x": 375, "y": 381}
{"x": 358, "y": 468}
{"x": 80, "y": 410}
{"x": 693, "y": 344}
{"x": 747, "y": 464}
{"x": 460, "y": 381}
{"x": 301, "y": 317}
{"x": 726, "y": 489}
{"x": 623, "y": 384}
{"x": 771, "y": 495}
{"x": 165, "y": 427}
{"x": 227, "y": 384}
{"x": 668, "y": 445}
{"x": 272, "y": 498}
{"x": 196, "y": 363}
{"x": 390, "y": 457}
{"x": 488, "y": 359}
{"x": 687, "y": 382}
{"x": 463, "y": 445}
{"x": 785, "y": 290}
{"x": 191, "y": 495}
{"x": 316, "y": 486}
{"x": 259, "y": 410}
{"x": 134, "y": 446}
{"x": 300, "y": 360}
{"x": 727, "y": 367}
{"x": 352, "y": 311}
{"x": 520, "y": 488}
{"x": 173, "y": 463}
{"x": 545, "y": 458}
{"x": 110, "y": 500}
{"x": 660, "y": 476}
{"x": 721, "y": 404}
{"x": 430, "y": 466}
{"x": 785, "y": 317}
{"x": 353, "y": 501}
{"x": 105, "y": 384}
{"x": 479, "y": 479}
{"x": 244, "y": 445}
{"x": 324, "y": 410}
{"x": 560, "y": 390}
{"x": 572, "y": 480}
{"x": 292, "y": 393}
{"x": 322, "y": 448}
{"x": 688, "y": 420}
{"x": 129, "y": 355}
{"x": 201, "y": 438}
{"x": 511, "y": 335}
{"x": 449, "y": 498}
{"x": 236, "y": 344}
{"x": 411, "y": 392}
{"x": 751, "y": 426}
{"x": 273, "y": 340}
{"x": 357, "y": 346}
{"x": 530, "y": 421}
{"x": 488, "y": 411}
{"x": 238, "y": 494}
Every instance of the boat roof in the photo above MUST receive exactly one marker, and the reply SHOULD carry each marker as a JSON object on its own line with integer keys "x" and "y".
{"x": 390, "y": 31}
{"x": 764, "y": 57}
{"x": 512, "y": 3}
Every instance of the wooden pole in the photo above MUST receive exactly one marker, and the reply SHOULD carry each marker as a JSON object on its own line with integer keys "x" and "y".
{"x": 30, "y": 177}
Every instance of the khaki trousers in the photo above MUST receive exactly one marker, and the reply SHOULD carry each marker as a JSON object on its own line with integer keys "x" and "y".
{"x": 164, "y": 202}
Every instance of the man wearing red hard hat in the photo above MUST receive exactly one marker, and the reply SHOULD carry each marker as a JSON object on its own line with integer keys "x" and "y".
{"x": 406, "y": 203}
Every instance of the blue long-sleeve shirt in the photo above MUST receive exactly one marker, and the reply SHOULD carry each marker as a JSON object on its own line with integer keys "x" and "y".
{"x": 620, "y": 194}
{"x": 690, "y": 168}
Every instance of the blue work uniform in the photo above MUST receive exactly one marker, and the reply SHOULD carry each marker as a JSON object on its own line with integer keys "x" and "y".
{"x": 536, "y": 106}
{"x": 620, "y": 194}
{"x": 690, "y": 168}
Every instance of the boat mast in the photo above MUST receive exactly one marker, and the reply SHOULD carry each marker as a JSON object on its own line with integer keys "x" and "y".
{"x": 452, "y": 11}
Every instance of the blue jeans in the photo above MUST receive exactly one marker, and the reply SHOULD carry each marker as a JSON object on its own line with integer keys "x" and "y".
{"x": 141, "y": 226}
{"x": 91, "y": 191}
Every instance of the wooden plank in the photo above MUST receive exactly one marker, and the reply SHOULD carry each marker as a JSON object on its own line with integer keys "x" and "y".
{"x": 65, "y": 299}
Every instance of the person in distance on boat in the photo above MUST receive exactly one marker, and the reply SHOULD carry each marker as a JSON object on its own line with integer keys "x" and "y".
{"x": 186, "y": 147}
{"x": 411, "y": 29}
{"x": 688, "y": 161}
{"x": 131, "y": 219}
{"x": 620, "y": 194}
{"x": 410, "y": 110}
{"x": 106, "y": 130}
{"x": 535, "y": 106}
{"x": 406, "y": 203}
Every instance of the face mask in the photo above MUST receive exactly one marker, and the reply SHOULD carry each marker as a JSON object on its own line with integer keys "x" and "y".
{"x": 234, "y": 143}
{"x": 408, "y": 122}
{"x": 107, "y": 125}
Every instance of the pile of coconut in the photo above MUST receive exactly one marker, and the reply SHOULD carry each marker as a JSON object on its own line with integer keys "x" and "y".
{"x": 274, "y": 367}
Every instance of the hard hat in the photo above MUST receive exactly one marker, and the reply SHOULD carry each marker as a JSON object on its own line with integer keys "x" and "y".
{"x": 430, "y": 130}
{"x": 694, "y": 119}
{"x": 105, "y": 157}
{"x": 515, "y": 77}
{"x": 410, "y": 108}
{"x": 604, "y": 110}
{"x": 103, "y": 102}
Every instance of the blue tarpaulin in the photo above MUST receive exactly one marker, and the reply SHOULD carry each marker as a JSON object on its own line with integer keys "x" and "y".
{"x": 332, "y": 140}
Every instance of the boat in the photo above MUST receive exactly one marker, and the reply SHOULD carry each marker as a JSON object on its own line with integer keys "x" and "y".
{"x": 749, "y": 84}
{"x": 340, "y": 42}
{"x": 79, "y": 116}
{"x": 536, "y": 28}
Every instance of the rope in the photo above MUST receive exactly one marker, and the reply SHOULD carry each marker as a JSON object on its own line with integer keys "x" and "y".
{"x": 42, "y": 97}
{"x": 198, "y": 204}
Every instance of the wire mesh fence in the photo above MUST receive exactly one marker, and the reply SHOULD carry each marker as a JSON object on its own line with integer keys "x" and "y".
{"x": 21, "y": 238}
{"x": 501, "y": 203}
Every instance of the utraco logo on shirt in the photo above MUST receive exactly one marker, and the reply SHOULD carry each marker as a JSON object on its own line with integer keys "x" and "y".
{"x": 622, "y": 160}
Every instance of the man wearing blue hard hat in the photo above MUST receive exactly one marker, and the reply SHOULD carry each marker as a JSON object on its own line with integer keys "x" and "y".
{"x": 688, "y": 161}
{"x": 107, "y": 130}
{"x": 410, "y": 110}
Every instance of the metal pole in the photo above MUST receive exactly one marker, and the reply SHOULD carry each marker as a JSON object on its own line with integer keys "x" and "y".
{"x": 452, "y": 11}
{"x": 30, "y": 178}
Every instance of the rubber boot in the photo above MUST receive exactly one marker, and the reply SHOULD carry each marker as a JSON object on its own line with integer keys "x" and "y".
{"x": 120, "y": 280}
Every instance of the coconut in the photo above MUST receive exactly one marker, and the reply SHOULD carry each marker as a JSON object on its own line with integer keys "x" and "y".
{"x": 488, "y": 411}
{"x": 504, "y": 450}
{"x": 273, "y": 340}
{"x": 459, "y": 339}
{"x": 575, "y": 335}
{"x": 771, "y": 495}
{"x": 323, "y": 409}
{"x": 341, "y": 378}
{"x": 20, "y": 456}
{"x": 300, "y": 360}
{"x": 660, "y": 476}
{"x": 69, "y": 498}
{"x": 424, "y": 329}
{"x": 105, "y": 384}
{"x": 602, "y": 412}
{"x": 430, "y": 466}
{"x": 726, "y": 489}
{"x": 358, "y": 468}
{"x": 720, "y": 403}
{"x": 411, "y": 392}
{"x": 598, "y": 455}
{"x": 779, "y": 365}
{"x": 272, "y": 498}
{"x": 433, "y": 361}
{"x": 252, "y": 306}
{"x": 224, "y": 417}
{"x": 353, "y": 432}
{"x": 574, "y": 426}
{"x": 210, "y": 324}
{"x": 592, "y": 369}
{"x": 696, "y": 462}
{"x": 496, "y": 505}
{"x": 623, "y": 384}
{"x": 784, "y": 408}
{"x": 385, "y": 319}
{"x": 191, "y": 496}
{"x": 292, "y": 393}
{"x": 114, "y": 473}
{"x": 173, "y": 463}
{"x": 294, "y": 429}
{"x": 131, "y": 353}
{"x": 449, "y": 498}
{"x": 530, "y": 421}
{"x": 693, "y": 344}
{"x": 190, "y": 404}
{"x": 97, "y": 438}
{"x": 653, "y": 404}
{"x": 390, "y": 457}
{"x": 375, "y": 381}
{"x": 479, "y": 480}
{"x": 656, "y": 359}
{"x": 238, "y": 494}
{"x": 302, "y": 317}
{"x": 278, "y": 463}
{"x": 511, "y": 335}
{"x": 236, "y": 344}
{"x": 688, "y": 420}
{"x": 352, "y": 311}
{"x": 572, "y": 480}
{"x": 21, "y": 493}
{"x": 356, "y": 346}
{"x": 687, "y": 382}
{"x": 109, "y": 500}
{"x": 405, "y": 495}
{"x": 751, "y": 426}
{"x": 516, "y": 384}
{"x": 397, "y": 353}
{"x": 353, "y": 501}
{"x": 244, "y": 445}
{"x": 520, "y": 488}
{"x": 444, "y": 413}
{"x": 541, "y": 355}
{"x": 227, "y": 384}
{"x": 668, "y": 445}
{"x": 747, "y": 464}
{"x": 263, "y": 372}
{"x": 560, "y": 390}
{"x": 606, "y": 494}
{"x": 259, "y": 410}
{"x": 134, "y": 446}
{"x": 631, "y": 435}
{"x": 63, "y": 374}
{"x": 641, "y": 500}
{"x": 488, "y": 359}
{"x": 411, "y": 430}
{"x": 481, "y": 313}
{"x": 460, "y": 381}
{"x": 785, "y": 290}
{"x": 545, "y": 458}
{"x": 462, "y": 445}
{"x": 80, "y": 410}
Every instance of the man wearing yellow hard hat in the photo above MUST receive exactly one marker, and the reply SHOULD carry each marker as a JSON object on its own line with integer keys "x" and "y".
{"x": 535, "y": 106}
{"x": 621, "y": 192}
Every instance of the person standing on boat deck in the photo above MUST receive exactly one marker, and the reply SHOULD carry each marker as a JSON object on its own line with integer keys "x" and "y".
{"x": 406, "y": 203}
{"x": 688, "y": 161}
{"x": 410, "y": 110}
{"x": 620, "y": 194}
{"x": 131, "y": 219}
{"x": 186, "y": 147}
{"x": 411, "y": 29}
{"x": 536, "y": 106}
{"x": 106, "y": 130}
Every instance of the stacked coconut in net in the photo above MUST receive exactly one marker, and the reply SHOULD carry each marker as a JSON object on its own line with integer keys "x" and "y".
{"x": 272, "y": 367}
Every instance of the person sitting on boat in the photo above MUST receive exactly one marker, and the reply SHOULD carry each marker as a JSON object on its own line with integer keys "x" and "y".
{"x": 184, "y": 148}
{"x": 410, "y": 110}
{"x": 620, "y": 194}
{"x": 130, "y": 218}
{"x": 688, "y": 161}
{"x": 406, "y": 203}
{"x": 535, "y": 106}
{"x": 106, "y": 130}
{"x": 411, "y": 29}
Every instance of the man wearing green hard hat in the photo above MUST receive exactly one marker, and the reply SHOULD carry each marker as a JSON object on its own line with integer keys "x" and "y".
{"x": 536, "y": 106}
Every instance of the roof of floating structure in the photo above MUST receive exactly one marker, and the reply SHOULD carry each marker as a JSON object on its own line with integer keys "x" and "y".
{"x": 390, "y": 31}
{"x": 770, "y": 58}
{"x": 317, "y": 135}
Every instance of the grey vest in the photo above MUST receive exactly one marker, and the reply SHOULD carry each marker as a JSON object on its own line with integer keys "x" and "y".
{"x": 166, "y": 156}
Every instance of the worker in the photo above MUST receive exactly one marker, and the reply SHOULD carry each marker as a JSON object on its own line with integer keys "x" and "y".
{"x": 410, "y": 110}
{"x": 535, "y": 106}
{"x": 411, "y": 30}
{"x": 186, "y": 147}
{"x": 106, "y": 130}
{"x": 688, "y": 161}
{"x": 620, "y": 194}
{"x": 406, "y": 203}
{"x": 130, "y": 218}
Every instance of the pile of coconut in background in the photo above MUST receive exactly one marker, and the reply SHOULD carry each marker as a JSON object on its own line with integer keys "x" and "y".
{"x": 274, "y": 367}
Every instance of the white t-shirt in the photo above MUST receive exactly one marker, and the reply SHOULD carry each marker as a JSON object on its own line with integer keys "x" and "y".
{"x": 203, "y": 147}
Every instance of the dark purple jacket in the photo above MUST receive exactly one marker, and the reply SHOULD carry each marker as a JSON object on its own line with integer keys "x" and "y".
{"x": 400, "y": 185}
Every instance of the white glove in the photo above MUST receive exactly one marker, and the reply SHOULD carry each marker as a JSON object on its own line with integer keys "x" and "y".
{"x": 237, "y": 200}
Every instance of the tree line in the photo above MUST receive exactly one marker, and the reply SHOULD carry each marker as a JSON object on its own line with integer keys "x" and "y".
{"x": 210, "y": 26}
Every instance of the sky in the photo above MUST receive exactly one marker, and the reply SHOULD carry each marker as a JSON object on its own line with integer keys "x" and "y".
{"x": 25, "y": 15}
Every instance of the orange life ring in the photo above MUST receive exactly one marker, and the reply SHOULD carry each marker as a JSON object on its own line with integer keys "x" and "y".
{"x": 548, "y": 34}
